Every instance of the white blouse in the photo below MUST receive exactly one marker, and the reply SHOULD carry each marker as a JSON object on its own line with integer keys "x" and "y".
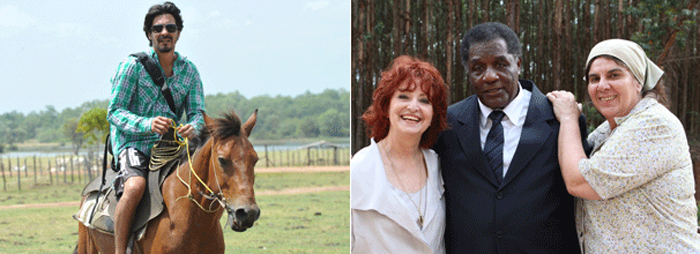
{"x": 383, "y": 219}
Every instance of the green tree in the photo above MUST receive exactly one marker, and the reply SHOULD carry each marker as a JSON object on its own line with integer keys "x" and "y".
{"x": 49, "y": 134}
{"x": 268, "y": 127}
{"x": 69, "y": 129}
{"x": 12, "y": 129}
{"x": 288, "y": 128}
{"x": 333, "y": 124}
{"x": 665, "y": 24}
{"x": 14, "y": 136}
{"x": 94, "y": 126}
{"x": 309, "y": 127}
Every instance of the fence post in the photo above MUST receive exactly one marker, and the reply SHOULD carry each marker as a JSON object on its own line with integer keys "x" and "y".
{"x": 25, "y": 166}
{"x": 267, "y": 160}
{"x": 50, "y": 174}
{"x": 308, "y": 156}
{"x": 72, "y": 172}
{"x": 34, "y": 164}
{"x": 19, "y": 176}
{"x": 9, "y": 166}
{"x": 2, "y": 170}
{"x": 80, "y": 174}
{"x": 89, "y": 165}
{"x": 65, "y": 169}
{"x": 40, "y": 167}
{"x": 335, "y": 155}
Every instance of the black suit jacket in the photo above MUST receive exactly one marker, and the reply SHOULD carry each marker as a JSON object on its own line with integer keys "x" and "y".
{"x": 531, "y": 210}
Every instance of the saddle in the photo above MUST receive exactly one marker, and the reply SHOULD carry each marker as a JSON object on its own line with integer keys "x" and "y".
{"x": 97, "y": 210}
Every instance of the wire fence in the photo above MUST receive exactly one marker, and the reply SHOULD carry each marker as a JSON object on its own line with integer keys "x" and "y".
{"x": 22, "y": 172}
{"x": 315, "y": 154}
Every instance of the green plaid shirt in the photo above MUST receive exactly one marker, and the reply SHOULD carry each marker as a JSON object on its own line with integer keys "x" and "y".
{"x": 136, "y": 100}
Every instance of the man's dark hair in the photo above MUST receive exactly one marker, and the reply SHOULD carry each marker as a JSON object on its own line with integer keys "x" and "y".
{"x": 487, "y": 32}
{"x": 159, "y": 9}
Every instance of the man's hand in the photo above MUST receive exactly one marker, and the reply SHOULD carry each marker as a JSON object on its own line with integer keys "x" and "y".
{"x": 186, "y": 131}
{"x": 160, "y": 124}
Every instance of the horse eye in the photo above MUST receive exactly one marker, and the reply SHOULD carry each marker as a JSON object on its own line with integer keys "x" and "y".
{"x": 222, "y": 162}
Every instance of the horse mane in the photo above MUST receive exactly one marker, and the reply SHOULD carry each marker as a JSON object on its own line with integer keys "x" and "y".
{"x": 229, "y": 125}
{"x": 199, "y": 140}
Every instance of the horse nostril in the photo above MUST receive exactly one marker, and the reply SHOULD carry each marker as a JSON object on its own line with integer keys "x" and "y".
{"x": 254, "y": 213}
{"x": 241, "y": 214}
{"x": 247, "y": 215}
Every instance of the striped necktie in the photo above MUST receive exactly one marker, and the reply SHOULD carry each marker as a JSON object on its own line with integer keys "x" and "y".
{"x": 493, "y": 149}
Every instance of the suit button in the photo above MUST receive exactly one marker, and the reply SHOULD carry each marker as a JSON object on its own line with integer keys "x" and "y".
{"x": 499, "y": 234}
{"x": 499, "y": 195}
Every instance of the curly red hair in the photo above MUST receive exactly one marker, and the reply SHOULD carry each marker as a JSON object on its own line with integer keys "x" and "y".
{"x": 421, "y": 74}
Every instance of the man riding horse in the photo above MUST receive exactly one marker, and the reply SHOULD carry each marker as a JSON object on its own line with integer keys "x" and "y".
{"x": 139, "y": 112}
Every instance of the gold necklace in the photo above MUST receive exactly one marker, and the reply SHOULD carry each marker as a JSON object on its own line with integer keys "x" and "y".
{"x": 420, "y": 198}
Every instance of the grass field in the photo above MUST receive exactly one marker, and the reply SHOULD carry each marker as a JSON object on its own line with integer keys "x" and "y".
{"x": 303, "y": 223}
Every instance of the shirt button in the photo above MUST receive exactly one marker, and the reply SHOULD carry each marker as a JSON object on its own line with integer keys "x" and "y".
{"x": 499, "y": 195}
{"x": 499, "y": 234}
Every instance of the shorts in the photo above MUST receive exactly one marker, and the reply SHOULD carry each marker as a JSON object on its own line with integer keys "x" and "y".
{"x": 132, "y": 163}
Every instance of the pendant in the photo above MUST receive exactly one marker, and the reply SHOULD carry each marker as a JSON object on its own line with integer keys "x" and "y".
{"x": 420, "y": 222}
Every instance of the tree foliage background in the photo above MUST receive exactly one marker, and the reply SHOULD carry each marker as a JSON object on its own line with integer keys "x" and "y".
{"x": 326, "y": 114}
{"x": 556, "y": 37}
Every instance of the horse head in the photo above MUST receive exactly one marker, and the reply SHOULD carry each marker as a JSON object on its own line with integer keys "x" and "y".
{"x": 233, "y": 159}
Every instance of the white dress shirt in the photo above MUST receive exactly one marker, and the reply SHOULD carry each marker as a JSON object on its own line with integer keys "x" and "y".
{"x": 512, "y": 123}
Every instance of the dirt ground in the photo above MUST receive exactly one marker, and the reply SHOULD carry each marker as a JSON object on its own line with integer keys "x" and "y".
{"x": 257, "y": 170}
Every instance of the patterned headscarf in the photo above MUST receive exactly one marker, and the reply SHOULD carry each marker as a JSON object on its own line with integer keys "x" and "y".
{"x": 630, "y": 53}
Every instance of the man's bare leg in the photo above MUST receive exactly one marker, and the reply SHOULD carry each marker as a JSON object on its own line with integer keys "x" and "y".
{"x": 125, "y": 211}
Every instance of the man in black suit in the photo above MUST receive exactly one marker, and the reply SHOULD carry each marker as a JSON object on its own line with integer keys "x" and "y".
{"x": 504, "y": 191}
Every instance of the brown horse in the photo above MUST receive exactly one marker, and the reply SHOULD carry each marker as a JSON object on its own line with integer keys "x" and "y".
{"x": 225, "y": 164}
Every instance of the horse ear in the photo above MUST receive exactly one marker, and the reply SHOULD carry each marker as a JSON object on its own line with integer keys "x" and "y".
{"x": 250, "y": 123}
{"x": 207, "y": 120}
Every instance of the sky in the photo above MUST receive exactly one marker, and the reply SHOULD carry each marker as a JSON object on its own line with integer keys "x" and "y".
{"x": 64, "y": 53}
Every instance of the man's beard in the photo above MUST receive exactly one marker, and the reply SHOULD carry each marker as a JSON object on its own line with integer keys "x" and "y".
{"x": 165, "y": 49}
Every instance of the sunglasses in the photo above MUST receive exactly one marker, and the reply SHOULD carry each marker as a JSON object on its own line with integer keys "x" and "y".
{"x": 170, "y": 27}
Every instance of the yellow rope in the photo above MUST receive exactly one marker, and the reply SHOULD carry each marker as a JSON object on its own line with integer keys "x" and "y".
{"x": 161, "y": 160}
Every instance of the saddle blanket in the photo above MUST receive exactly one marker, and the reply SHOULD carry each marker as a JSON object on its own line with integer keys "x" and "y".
{"x": 98, "y": 208}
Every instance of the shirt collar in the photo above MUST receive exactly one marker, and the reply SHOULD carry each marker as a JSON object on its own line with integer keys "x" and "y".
{"x": 642, "y": 105}
{"x": 512, "y": 110}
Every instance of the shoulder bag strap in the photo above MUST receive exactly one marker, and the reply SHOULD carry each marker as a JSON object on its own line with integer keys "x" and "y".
{"x": 157, "y": 75}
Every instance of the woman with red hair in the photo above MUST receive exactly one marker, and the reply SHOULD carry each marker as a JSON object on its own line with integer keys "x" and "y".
{"x": 396, "y": 190}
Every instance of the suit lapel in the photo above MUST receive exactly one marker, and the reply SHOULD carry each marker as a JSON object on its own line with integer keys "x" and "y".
{"x": 469, "y": 138}
{"x": 535, "y": 132}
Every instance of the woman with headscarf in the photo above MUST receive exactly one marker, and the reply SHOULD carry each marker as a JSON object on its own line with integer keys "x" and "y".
{"x": 636, "y": 188}
{"x": 397, "y": 202}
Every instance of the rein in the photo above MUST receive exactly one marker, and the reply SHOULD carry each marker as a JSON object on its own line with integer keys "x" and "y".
{"x": 167, "y": 154}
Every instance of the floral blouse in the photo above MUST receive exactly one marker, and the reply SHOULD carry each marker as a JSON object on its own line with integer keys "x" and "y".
{"x": 643, "y": 172}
